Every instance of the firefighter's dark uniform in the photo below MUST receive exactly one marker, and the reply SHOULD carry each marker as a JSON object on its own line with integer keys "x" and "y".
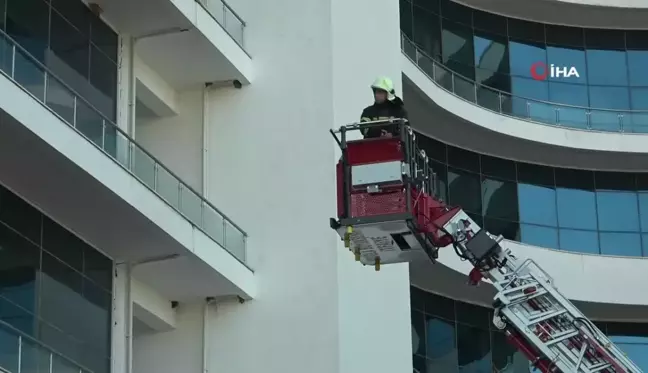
{"x": 394, "y": 109}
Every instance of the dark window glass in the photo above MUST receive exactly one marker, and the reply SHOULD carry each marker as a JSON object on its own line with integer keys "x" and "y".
{"x": 473, "y": 349}
{"x": 417, "y": 297}
{"x": 576, "y": 208}
{"x": 97, "y": 267}
{"x": 429, "y": 5}
{"x": 16, "y": 316}
{"x": 440, "y": 306}
{"x": 20, "y": 215}
{"x": 498, "y": 167}
{"x": 604, "y": 39}
{"x": 442, "y": 179}
{"x": 506, "y": 358}
{"x": 463, "y": 159}
{"x": 614, "y": 181}
{"x": 418, "y": 333}
{"x": 104, "y": 37}
{"x": 491, "y": 53}
{"x": 537, "y": 204}
{"x": 420, "y": 364}
{"x": 75, "y": 12}
{"x": 457, "y": 45}
{"x": 464, "y": 190}
{"x": 477, "y": 218}
{"x": 564, "y": 35}
{"x": 499, "y": 199}
{"x": 427, "y": 32}
{"x": 535, "y": 174}
{"x": 637, "y": 39}
{"x": 19, "y": 262}
{"x": 618, "y": 211}
{"x": 103, "y": 78}
{"x": 606, "y": 67}
{"x": 71, "y": 48}
{"x": 434, "y": 149}
{"x": 539, "y": 236}
{"x": 574, "y": 179}
{"x": 489, "y": 22}
{"x": 525, "y": 30}
{"x": 406, "y": 18}
{"x": 95, "y": 322}
{"x": 456, "y": 12}
{"x": 441, "y": 345}
{"x": 62, "y": 244}
{"x": 508, "y": 229}
{"x": 3, "y": 13}
{"x": 621, "y": 244}
{"x": 565, "y": 59}
{"x": 61, "y": 302}
{"x": 27, "y": 23}
{"x": 579, "y": 241}
{"x": 472, "y": 315}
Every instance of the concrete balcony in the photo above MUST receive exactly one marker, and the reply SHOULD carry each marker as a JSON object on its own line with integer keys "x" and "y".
{"x": 189, "y": 42}
{"x": 59, "y": 153}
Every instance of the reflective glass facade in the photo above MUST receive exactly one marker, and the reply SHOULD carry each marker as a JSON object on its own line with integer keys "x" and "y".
{"x": 574, "y": 210}
{"x": 53, "y": 287}
{"x": 449, "y": 336}
{"x": 76, "y": 46}
{"x": 498, "y": 53}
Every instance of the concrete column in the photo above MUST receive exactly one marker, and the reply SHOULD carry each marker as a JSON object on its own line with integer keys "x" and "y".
{"x": 120, "y": 326}
{"x": 125, "y": 92}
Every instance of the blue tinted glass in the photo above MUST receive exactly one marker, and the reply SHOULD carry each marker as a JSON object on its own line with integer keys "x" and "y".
{"x": 639, "y": 98}
{"x": 576, "y": 209}
{"x": 566, "y": 58}
{"x": 606, "y": 67}
{"x": 526, "y": 92}
{"x": 570, "y": 94}
{"x": 490, "y": 55}
{"x": 638, "y": 353}
{"x": 621, "y": 244}
{"x": 539, "y": 236}
{"x": 609, "y": 97}
{"x": 637, "y": 62}
{"x": 579, "y": 241}
{"x": 617, "y": 211}
{"x": 537, "y": 204}
{"x": 643, "y": 211}
{"x": 522, "y": 56}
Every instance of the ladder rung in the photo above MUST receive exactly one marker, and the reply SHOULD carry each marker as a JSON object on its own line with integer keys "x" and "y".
{"x": 600, "y": 367}
{"x": 547, "y": 316}
{"x": 526, "y": 297}
{"x": 520, "y": 288}
{"x": 559, "y": 337}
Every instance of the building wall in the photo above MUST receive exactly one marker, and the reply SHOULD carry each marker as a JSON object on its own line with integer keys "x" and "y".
{"x": 271, "y": 165}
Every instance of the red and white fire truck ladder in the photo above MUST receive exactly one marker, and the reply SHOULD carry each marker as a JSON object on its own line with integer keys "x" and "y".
{"x": 389, "y": 212}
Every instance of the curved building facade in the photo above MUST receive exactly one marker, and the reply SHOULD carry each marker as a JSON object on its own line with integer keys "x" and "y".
{"x": 451, "y": 336}
{"x": 570, "y": 76}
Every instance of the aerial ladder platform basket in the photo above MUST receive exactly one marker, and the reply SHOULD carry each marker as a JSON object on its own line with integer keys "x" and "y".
{"x": 389, "y": 212}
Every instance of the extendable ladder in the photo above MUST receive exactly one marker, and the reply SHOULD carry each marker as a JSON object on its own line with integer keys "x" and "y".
{"x": 529, "y": 302}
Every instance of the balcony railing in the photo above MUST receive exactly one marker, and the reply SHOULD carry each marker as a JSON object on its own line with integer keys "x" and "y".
{"x": 21, "y": 353}
{"x": 227, "y": 18}
{"x": 36, "y": 79}
{"x": 549, "y": 113}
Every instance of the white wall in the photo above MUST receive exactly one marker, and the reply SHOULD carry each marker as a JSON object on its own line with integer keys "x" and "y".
{"x": 177, "y": 140}
{"x": 272, "y": 170}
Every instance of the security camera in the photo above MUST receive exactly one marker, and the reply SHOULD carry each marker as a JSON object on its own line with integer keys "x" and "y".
{"x": 241, "y": 300}
{"x": 237, "y": 84}
{"x": 174, "y": 304}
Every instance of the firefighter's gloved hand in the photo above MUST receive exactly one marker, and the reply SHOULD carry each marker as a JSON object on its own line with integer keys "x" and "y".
{"x": 385, "y": 133}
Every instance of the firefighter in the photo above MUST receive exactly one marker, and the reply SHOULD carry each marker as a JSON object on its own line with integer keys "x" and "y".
{"x": 386, "y": 106}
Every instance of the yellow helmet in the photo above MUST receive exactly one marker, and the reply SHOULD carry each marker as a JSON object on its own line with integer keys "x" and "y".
{"x": 385, "y": 84}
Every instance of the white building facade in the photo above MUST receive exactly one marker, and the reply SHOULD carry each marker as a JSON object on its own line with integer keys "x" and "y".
{"x": 167, "y": 176}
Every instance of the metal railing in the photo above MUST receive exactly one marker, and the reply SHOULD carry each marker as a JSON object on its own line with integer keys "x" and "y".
{"x": 539, "y": 111}
{"x": 21, "y": 353}
{"x": 33, "y": 77}
{"x": 226, "y": 17}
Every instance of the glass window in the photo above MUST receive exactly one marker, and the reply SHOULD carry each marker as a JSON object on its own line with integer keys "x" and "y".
{"x": 63, "y": 244}
{"x": 17, "y": 317}
{"x": 457, "y": 44}
{"x": 535, "y": 174}
{"x": 567, "y": 93}
{"x": 615, "y": 181}
{"x": 609, "y": 97}
{"x": 523, "y": 55}
{"x": 499, "y": 199}
{"x": 604, "y": 39}
{"x": 507, "y": 358}
{"x": 418, "y": 333}
{"x": 442, "y": 178}
{"x": 567, "y": 58}
{"x": 643, "y": 211}
{"x": 606, "y": 67}
{"x": 489, "y": 22}
{"x": 464, "y": 159}
{"x": 434, "y": 149}
{"x": 105, "y": 38}
{"x": 20, "y": 215}
{"x": 491, "y": 53}
{"x": 564, "y": 35}
{"x": 20, "y": 261}
{"x": 456, "y": 12}
{"x": 61, "y": 300}
{"x": 427, "y": 32}
{"x": 441, "y": 345}
{"x": 525, "y": 30}
{"x": 103, "y": 78}
{"x": 508, "y": 229}
{"x": 473, "y": 349}
{"x": 537, "y": 205}
{"x": 429, "y": 5}
{"x": 574, "y": 179}
{"x": 75, "y": 12}
{"x": 27, "y": 23}
{"x": 417, "y": 298}
{"x": 406, "y": 19}
{"x": 579, "y": 241}
{"x": 621, "y": 244}
{"x": 637, "y": 40}
{"x": 440, "y": 306}
{"x": 71, "y": 50}
{"x": 473, "y": 315}
{"x": 639, "y": 98}
{"x": 98, "y": 268}
{"x": 576, "y": 208}
{"x": 529, "y": 99}
{"x": 498, "y": 167}
{"x": 617, "y": 211}
{"x": 464, "y": 190}
{"x": 637, "y": 62}
{"x": 539, "y": 236}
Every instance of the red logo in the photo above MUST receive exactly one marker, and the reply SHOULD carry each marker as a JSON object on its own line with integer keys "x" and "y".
{"x": 539, "y": 71}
